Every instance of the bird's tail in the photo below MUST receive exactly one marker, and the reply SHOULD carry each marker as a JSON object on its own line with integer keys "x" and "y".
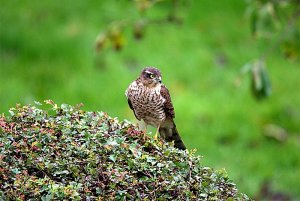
{"x": 170, "y": 133}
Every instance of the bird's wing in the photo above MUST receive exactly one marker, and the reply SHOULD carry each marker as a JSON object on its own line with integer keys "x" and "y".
{"x": 131, "y": 107}
{"x": 168, "y": 106}
{"x": 127, "y": 94}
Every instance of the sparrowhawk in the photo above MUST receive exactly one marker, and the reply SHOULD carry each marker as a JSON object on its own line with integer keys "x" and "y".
{"x": 151, "y": 102}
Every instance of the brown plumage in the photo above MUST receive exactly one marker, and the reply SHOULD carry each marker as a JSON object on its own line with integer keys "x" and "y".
{"x": 151, "y": 102}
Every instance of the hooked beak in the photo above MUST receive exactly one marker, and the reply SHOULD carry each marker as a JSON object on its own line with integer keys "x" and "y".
{"x": 159, "y": 79}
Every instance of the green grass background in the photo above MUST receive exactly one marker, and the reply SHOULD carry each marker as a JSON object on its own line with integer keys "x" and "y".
{"x": 47, "y": 51}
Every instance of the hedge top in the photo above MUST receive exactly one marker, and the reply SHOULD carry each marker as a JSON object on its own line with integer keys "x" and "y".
{"x": 62, "y": 152}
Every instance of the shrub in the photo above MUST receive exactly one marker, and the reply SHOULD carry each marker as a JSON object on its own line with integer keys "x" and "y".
{"x": 51, "y": 152}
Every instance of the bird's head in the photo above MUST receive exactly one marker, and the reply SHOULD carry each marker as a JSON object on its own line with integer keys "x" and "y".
{"x": 151, "y": 77}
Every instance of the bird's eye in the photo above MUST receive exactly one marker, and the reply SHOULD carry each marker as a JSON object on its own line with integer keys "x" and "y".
{"x": 151, "y": 76}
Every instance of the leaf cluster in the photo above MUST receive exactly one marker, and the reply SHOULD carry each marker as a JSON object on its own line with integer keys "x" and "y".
{"x": 279, "y": 20}
{"x": 114, "y": 35}
{"x": 50, "y": 152}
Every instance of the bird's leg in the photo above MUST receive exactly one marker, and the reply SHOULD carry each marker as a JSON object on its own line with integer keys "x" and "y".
{"x": 145, "y": 132}
{"x": 161, "y": 142}
{"x": 143, "y": 127}
{"x": 156, "y": 133}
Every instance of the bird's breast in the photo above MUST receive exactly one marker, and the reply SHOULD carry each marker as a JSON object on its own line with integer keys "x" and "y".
{"x": 147, "y": 103}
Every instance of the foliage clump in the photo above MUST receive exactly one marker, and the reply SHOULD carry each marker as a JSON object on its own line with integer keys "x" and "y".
{"x": 62, "y": 152}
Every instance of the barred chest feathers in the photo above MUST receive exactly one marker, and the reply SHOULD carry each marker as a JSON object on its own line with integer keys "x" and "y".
{"x": 147, "y": 102}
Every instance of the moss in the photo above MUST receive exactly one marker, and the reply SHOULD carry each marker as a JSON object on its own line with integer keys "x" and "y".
{"x": 62, "y": 152}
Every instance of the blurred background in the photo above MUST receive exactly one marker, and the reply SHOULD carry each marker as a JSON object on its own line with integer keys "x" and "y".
{"x": 232, "y": 68}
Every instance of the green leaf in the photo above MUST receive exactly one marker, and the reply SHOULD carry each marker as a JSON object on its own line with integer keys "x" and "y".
{"x": 261, "y": 86}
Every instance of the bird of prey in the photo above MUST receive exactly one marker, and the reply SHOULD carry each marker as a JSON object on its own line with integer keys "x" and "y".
{"x": 151, "y": 102}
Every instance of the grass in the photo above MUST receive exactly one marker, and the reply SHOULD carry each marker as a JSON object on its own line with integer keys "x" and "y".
{"x": 47, "y": 52}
